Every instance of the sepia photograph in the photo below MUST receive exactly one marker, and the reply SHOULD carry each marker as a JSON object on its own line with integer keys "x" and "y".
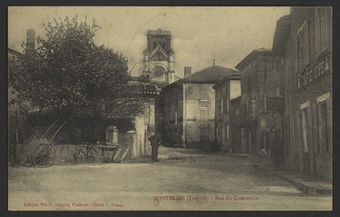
{"x": 170, "y": 108}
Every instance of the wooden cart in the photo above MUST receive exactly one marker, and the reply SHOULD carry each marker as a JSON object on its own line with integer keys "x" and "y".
{"x": 87, "y": 153}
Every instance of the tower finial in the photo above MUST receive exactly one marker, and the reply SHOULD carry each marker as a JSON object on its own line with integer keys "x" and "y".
{"x": 214, "y": 61}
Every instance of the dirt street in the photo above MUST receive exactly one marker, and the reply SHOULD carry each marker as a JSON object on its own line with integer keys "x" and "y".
{"x": 189, "y": 182}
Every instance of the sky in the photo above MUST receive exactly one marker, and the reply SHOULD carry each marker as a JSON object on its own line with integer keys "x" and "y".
{"x": 199, "y": 34}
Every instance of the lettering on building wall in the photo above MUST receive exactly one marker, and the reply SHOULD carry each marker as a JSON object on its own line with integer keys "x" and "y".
{"x": 313, "y": 72}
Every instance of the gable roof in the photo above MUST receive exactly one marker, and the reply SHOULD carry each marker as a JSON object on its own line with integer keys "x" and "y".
{"x": 231, "y": 76}
{"x": 212, "y": 74}
{"x": 253, "y": 56}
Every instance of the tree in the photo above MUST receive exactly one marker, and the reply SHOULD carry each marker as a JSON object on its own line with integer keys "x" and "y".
{"x": 68, "y": 74}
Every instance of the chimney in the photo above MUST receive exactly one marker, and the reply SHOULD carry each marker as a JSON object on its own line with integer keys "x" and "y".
{"x": 187, "y": 71}
{"x": 30, "y": 40}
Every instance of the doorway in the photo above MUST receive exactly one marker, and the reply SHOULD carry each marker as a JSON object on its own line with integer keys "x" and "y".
{"x": 304, "y": 135}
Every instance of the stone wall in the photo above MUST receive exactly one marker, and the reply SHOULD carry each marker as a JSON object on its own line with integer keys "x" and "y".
{"x": 199, "y": 113}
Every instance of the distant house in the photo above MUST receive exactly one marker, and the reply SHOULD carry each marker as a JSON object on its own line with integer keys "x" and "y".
{"x": 187, "y": 109}
{"x": 261, "y": 128}
{"x": 226, "y": 90}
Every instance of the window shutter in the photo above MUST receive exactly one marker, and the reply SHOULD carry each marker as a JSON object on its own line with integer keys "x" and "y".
{"x": 317, "y": 29}
{"x": 330, "y": 124}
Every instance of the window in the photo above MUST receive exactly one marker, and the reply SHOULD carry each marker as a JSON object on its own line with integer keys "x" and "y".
{"x": 176, "y": 117}
{"x": 227, "y": 131}
{"x": 204, "y": 115}
{"x": 218, "y": 105}
{"x": 303, "y": 46}
{"x": 221, "y": 105}
{"x": 304, "y": 129}
{"x": 237, "y": 112}
{"x": 204, "y": 104}
{"x": 226, "y": 105}
{"x": 204, "y": 135}
{"x": 323, "y": 123}
{"x": 234, "y": 89}
{"x": 320, "y": 28}
{"x": 288, "y": 149}
{"x": 249, "y": 84}
{"x": 278, "y": 91}
{"x": 304, "y": 125}
{"x": 256, "y": 79}
{"x": 253, "y": 107}
{"x": 264, "y": 101}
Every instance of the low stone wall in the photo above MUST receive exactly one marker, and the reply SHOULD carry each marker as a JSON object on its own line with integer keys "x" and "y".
{"x": 65, "y": 152}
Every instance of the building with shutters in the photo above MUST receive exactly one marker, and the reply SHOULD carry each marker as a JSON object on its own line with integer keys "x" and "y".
{"x": 187, "y": 109}
{"x": 303, "y": 51}
{"x": 260, "y": 125}
{"x": 226, "y": 90}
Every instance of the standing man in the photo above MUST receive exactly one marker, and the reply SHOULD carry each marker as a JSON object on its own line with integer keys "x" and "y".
{"x": 154, "y": 142}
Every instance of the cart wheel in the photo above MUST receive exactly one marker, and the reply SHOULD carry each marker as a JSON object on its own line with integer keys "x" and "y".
{"x": 91, "y": 156}
{"x": 43, "y": 155}
{"x": 79, "y": 156}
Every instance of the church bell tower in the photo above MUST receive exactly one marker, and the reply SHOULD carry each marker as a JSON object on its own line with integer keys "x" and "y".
{"x": 159, "y": 57}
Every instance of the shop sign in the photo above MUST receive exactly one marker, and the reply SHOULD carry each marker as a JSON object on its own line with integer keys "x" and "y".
{"x": 313, "y": 72}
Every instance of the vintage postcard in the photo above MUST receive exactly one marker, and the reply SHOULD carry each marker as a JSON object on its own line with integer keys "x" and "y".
{"x": 170, "y": 108}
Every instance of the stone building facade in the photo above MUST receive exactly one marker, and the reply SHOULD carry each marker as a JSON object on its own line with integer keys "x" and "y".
{"x": 261, "y": 127}
{"x": 303, "y": 46}
{"x": 226, "y": 90}
{"x": 159, "y": 57}
{"x": 187, "y": 109}
{"x": 235, "y": 126}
